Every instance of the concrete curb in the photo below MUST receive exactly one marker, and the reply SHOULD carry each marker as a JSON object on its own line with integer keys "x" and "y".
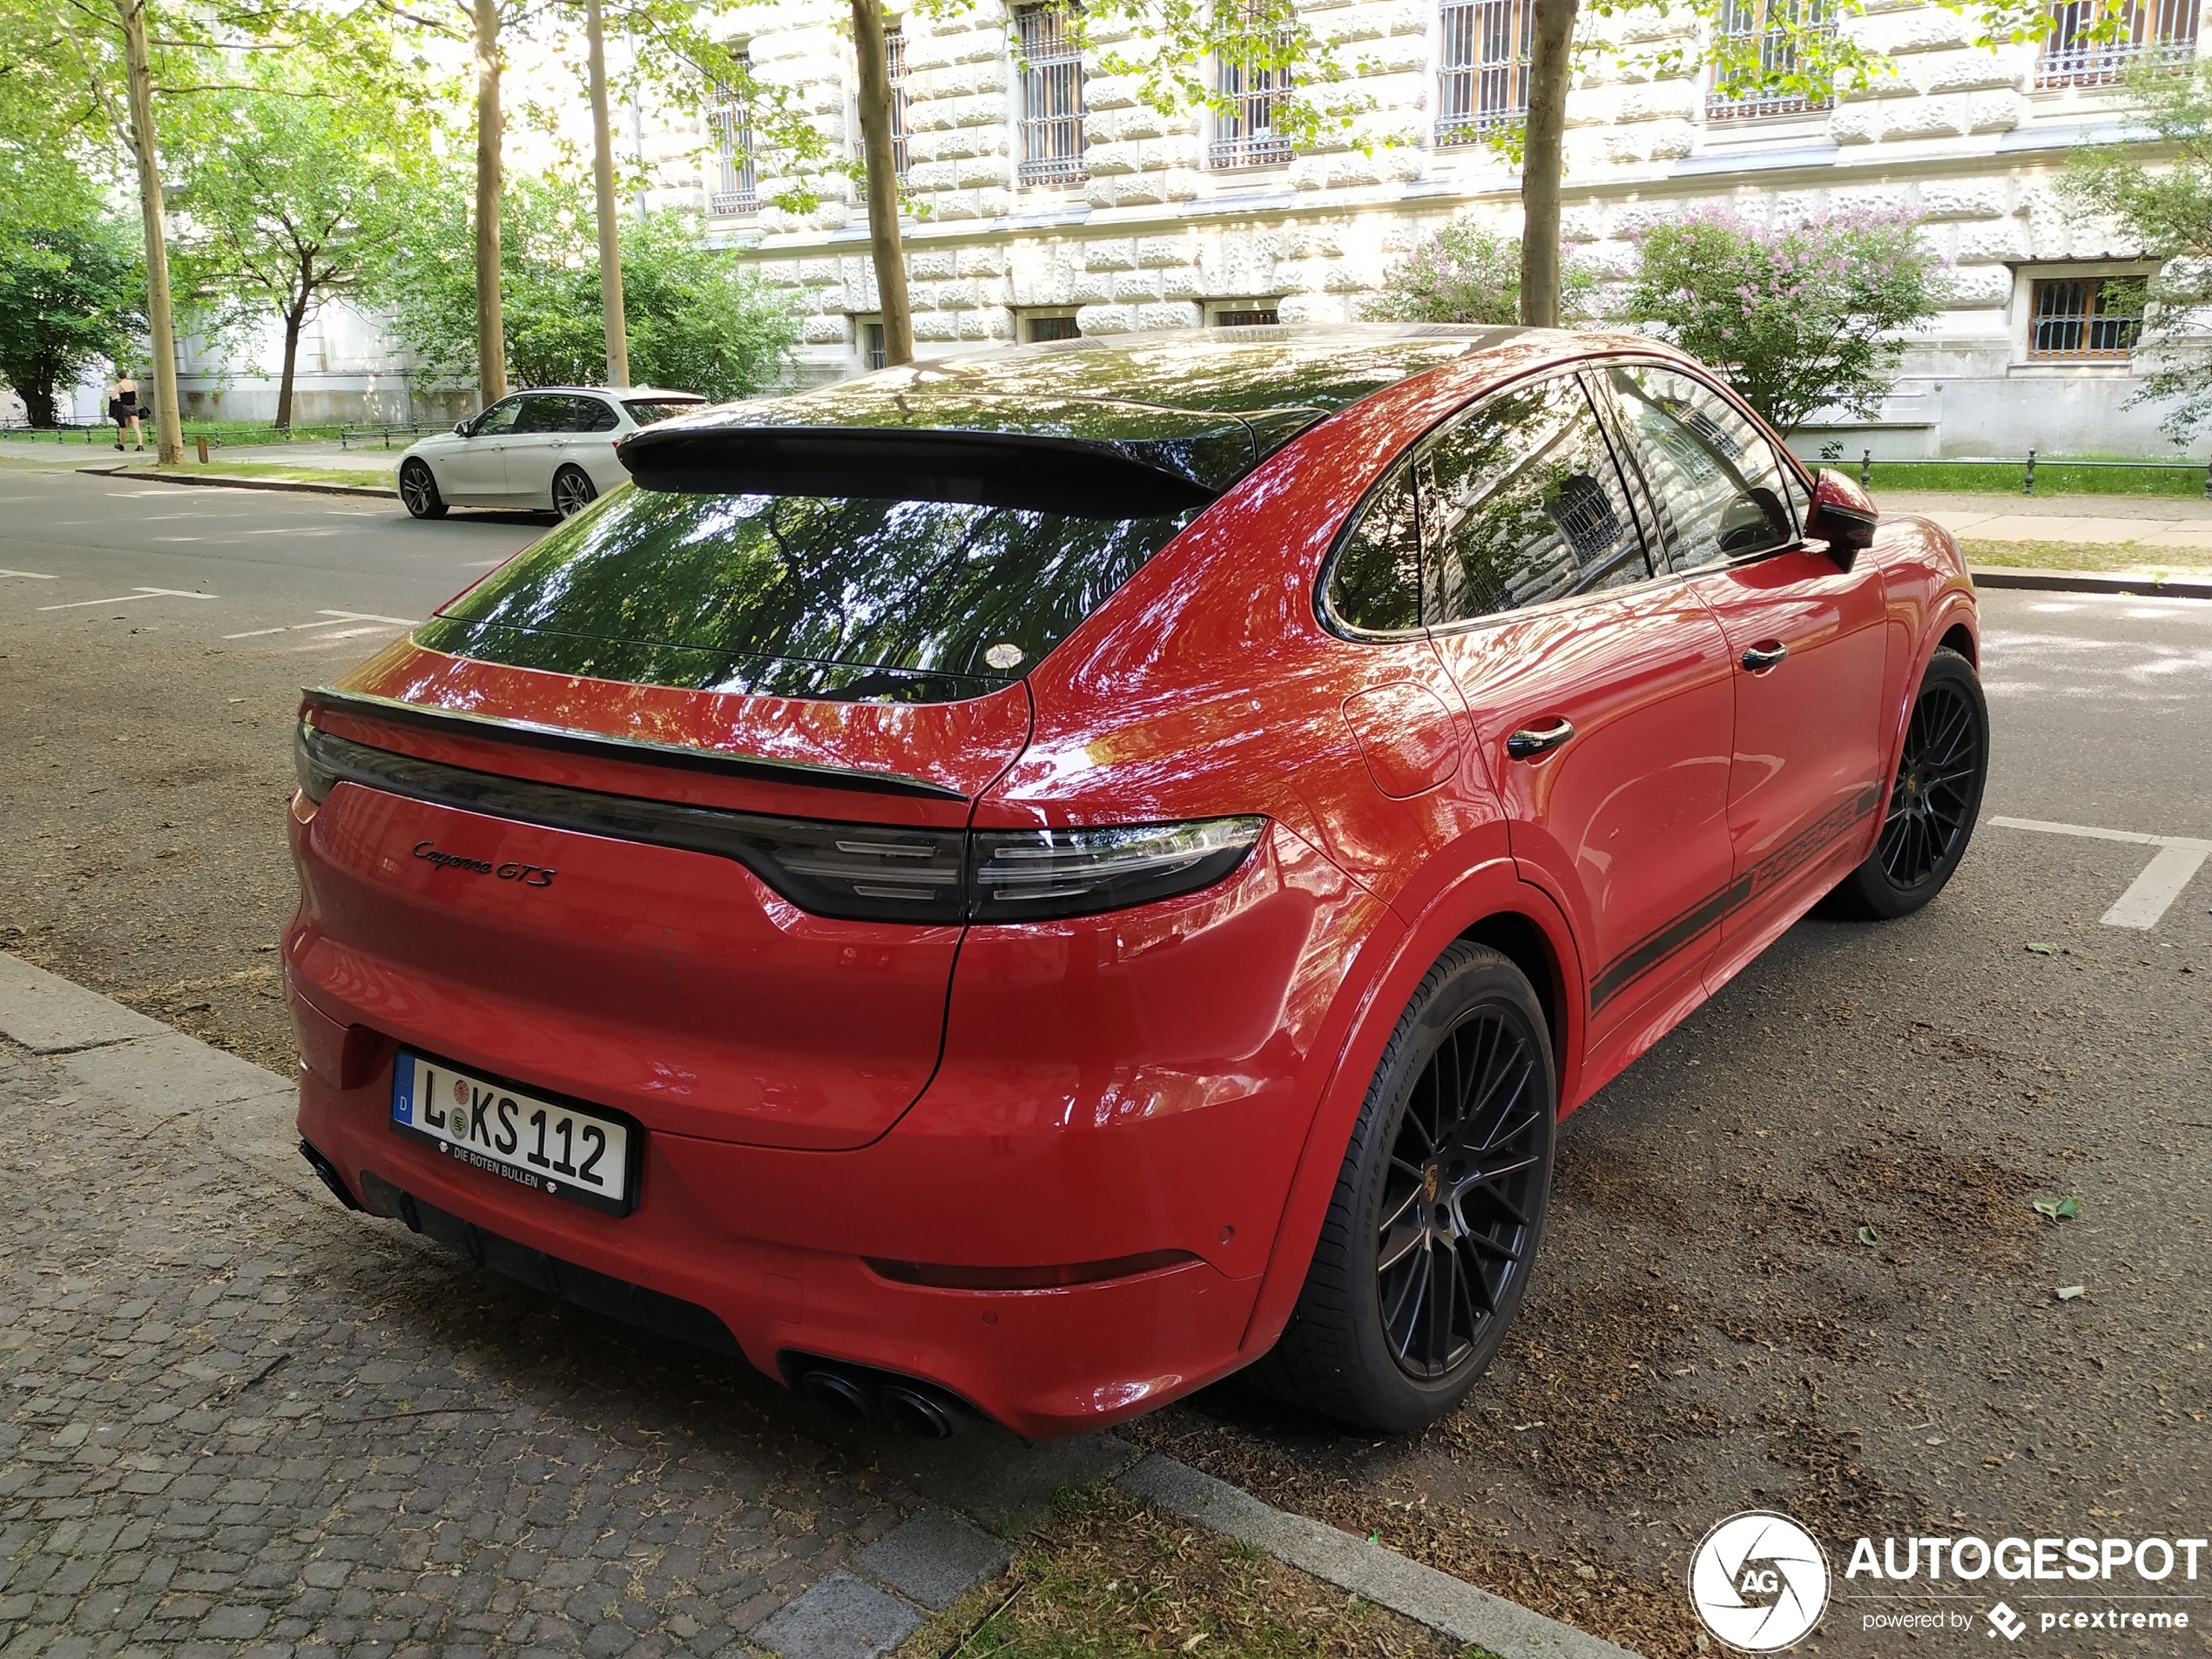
{"x": 929, "y": 1559}
{"x": 1383, "y": 1577}
{"x": 229, "y": 481}
{"x": 2142, "y": 587}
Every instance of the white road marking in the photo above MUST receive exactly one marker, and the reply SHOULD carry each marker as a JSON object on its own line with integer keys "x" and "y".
{"x": 179, "y": 538}
{"x": 32, "y": 575}
{"x": 136, "y": 594}
{"x": 331, "y": 620}
{"x": 2172, "y": 868}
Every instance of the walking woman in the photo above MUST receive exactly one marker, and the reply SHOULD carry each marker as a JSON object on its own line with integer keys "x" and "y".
{"x": 124, "y": 408}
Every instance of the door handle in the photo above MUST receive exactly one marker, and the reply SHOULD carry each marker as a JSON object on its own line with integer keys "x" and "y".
{"x": 1527, "y": 743}
{"x": 1760, "y": 659}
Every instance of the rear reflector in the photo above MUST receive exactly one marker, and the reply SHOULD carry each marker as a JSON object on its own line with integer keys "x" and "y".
{"x": 938, "y": 1276}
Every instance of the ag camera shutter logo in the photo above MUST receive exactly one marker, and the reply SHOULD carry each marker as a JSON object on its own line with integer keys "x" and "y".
{"x": 1759, "y": 1582}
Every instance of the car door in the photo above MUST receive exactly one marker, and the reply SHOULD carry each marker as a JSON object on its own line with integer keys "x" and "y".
{"x": 1600, "y": 699}
{"x": 1808, "y": 640}
{"x": 476, "y": 470}
{"x": 590, "y": 443}
{"x": 534, "y": 451}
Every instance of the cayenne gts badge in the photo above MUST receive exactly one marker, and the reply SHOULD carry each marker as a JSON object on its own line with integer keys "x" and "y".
{"x": 530, "y": 875}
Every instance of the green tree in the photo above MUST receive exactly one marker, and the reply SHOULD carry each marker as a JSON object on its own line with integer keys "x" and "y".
{"x": 1798, "y": 318}
{"x": 71, "y": 294}
{"x": 1467, "y": 272}
{"x": 296, "y": 191}
{"x": 2168, "y": 213}
{"x": 698, "y": 320}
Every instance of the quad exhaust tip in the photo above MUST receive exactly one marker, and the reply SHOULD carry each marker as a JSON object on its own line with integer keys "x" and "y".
{"x": 860, "y": 1394}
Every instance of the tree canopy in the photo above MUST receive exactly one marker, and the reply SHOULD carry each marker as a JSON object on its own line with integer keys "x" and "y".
{"x": 2168, "y": 213}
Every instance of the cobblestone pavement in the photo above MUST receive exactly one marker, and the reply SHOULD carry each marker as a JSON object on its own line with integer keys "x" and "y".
{"x": 234, "y": 1419}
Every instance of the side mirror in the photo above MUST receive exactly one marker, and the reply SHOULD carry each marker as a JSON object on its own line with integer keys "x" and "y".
{"x": 1844, "y": 516}
{"x": 461, "y": 428}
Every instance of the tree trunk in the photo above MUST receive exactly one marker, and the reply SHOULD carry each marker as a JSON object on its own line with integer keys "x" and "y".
{"x": 38, "y": 402}
{"x": 139, "y": 71}
{"x": 491, "y": 341}
{"x": 294, "y": 320}
{"x": 603, "y": 177}
{"x": 1543, "y": 159}
{"x": 883, "y": 181}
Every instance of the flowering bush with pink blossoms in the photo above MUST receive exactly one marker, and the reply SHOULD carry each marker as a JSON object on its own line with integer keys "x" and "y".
{"x": 1799, "y": 317}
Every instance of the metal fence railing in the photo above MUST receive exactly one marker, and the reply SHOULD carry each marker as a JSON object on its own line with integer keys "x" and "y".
{"x": 382, "y": 433}
{"x": 2024, "y": 467}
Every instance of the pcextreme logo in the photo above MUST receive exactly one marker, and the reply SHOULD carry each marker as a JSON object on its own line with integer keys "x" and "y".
{"x": 1759, "y": 1582}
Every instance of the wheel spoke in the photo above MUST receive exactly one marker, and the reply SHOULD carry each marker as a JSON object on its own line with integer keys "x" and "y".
{"x": 1443, "y": 1305}
{"x": 1396, "y": 1243}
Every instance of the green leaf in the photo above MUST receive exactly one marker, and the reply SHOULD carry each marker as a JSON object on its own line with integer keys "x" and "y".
{"x": 2045, "y": 950}
{"x": 2058, "y": 1209}
{"x": 2069, "y": 1292}
{"x": 1867, "y": 1236}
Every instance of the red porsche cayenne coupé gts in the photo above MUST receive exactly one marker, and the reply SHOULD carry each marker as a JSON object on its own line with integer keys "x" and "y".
{"x": 1029, "y": 882}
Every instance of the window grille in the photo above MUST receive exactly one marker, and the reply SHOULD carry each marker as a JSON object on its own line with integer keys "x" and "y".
{"x": 1052, "y": 97}
{"x": 2160, "y": 32}
{"x": 872, "y": 345}
{"x": 1263, "y": 317}
{"x": 1247, "y": 138}
{"x": 894, "y": 61}
{"x": 1043, "y": 329}
{"x": 735, "y": 188}
{"x": 2086, "y": 320}
{"x": 1767, "y": 29}
{"x": 1482, "y": 77}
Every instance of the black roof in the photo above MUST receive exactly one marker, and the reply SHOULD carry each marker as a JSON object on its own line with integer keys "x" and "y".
{"x": 1026, "y": 425}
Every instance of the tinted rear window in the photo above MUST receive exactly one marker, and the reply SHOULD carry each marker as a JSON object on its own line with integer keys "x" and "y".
{"x": 799, "y": 596}
{"x": 646, "y": 413}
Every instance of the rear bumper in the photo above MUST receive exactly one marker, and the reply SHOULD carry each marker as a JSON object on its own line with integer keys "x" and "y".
{"x": 1044, "y": 1363}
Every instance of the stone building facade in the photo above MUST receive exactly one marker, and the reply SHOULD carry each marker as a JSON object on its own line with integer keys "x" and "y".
{"x": 1043, "y": 206}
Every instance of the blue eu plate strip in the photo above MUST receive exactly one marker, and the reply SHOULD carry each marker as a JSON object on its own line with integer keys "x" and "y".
{"x": 403, "y": 1088}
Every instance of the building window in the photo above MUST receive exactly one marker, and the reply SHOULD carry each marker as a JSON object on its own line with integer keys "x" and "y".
{"x": 2162, "y": 32}
{"x": 871, "y": 337}
{"x": 1762, "y": 38}
{"x": 1052, "y": 95}
{"x": 1246, "y": 135}
{"x": 2085, "y": 319}
{"x": 1044, "y": 328}
{"x": 1482, "y": 77}
{"x": 1252, "y": 317}
{"x": 734, "y": 188}
{"x": 894, "y": 61}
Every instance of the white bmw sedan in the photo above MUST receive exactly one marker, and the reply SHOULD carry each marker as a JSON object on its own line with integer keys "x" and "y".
{"x": 553, "y": 448}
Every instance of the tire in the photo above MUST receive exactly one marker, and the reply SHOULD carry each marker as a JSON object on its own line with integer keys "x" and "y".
{"x": 1934, "y": 801}
{"x": 573, "y": 491}
{"x": 1395, "y": 1347}
{"x": 419, "y": 490}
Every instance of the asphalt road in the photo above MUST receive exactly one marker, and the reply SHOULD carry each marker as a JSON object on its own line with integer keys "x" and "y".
{"x": 1706, "y": 1330}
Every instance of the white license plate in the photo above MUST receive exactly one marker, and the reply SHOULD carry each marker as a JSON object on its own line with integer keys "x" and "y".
{"x": 588, "y": 1156}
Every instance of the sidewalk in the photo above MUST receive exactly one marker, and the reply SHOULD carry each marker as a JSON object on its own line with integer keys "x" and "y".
{"x": 308, "y": 1428}
{"x": 2146, "y": 532}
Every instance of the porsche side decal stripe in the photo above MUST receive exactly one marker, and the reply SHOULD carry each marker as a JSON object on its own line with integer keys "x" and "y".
{"x": 1778, "y": 866}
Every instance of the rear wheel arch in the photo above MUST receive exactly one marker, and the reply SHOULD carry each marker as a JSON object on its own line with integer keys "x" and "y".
{"x": 1961, "y": 638}
{"x": 1491, "y": 906}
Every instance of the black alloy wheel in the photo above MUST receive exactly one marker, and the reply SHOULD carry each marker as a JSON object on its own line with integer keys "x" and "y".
{"x": 573, "y": 491}
{"x": 1431, "y": 1234}
{"x": 1453, "y": 1238}
{"x": 419, "y": 490}
{"x": 1934, "y": 802}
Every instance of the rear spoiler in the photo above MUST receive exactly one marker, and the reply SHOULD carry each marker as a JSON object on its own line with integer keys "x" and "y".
{"x": 1082, "y": 477}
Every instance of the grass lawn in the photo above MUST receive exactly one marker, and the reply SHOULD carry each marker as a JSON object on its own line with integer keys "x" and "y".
{"x": 2088, "y": 556}
{"x": 2052, "y": 478}
{"x": 221, "y": 469}
{"x": 1110, "y": 1578}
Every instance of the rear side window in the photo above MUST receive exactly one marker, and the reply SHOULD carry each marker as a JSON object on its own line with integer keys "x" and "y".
{"x": 1521, "y": 502}
{"x": 800, "y": 595}
{"x": 1375, "y": 585}
{"x": 1715, "y": 481}
{"x": 645, "y": 411}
